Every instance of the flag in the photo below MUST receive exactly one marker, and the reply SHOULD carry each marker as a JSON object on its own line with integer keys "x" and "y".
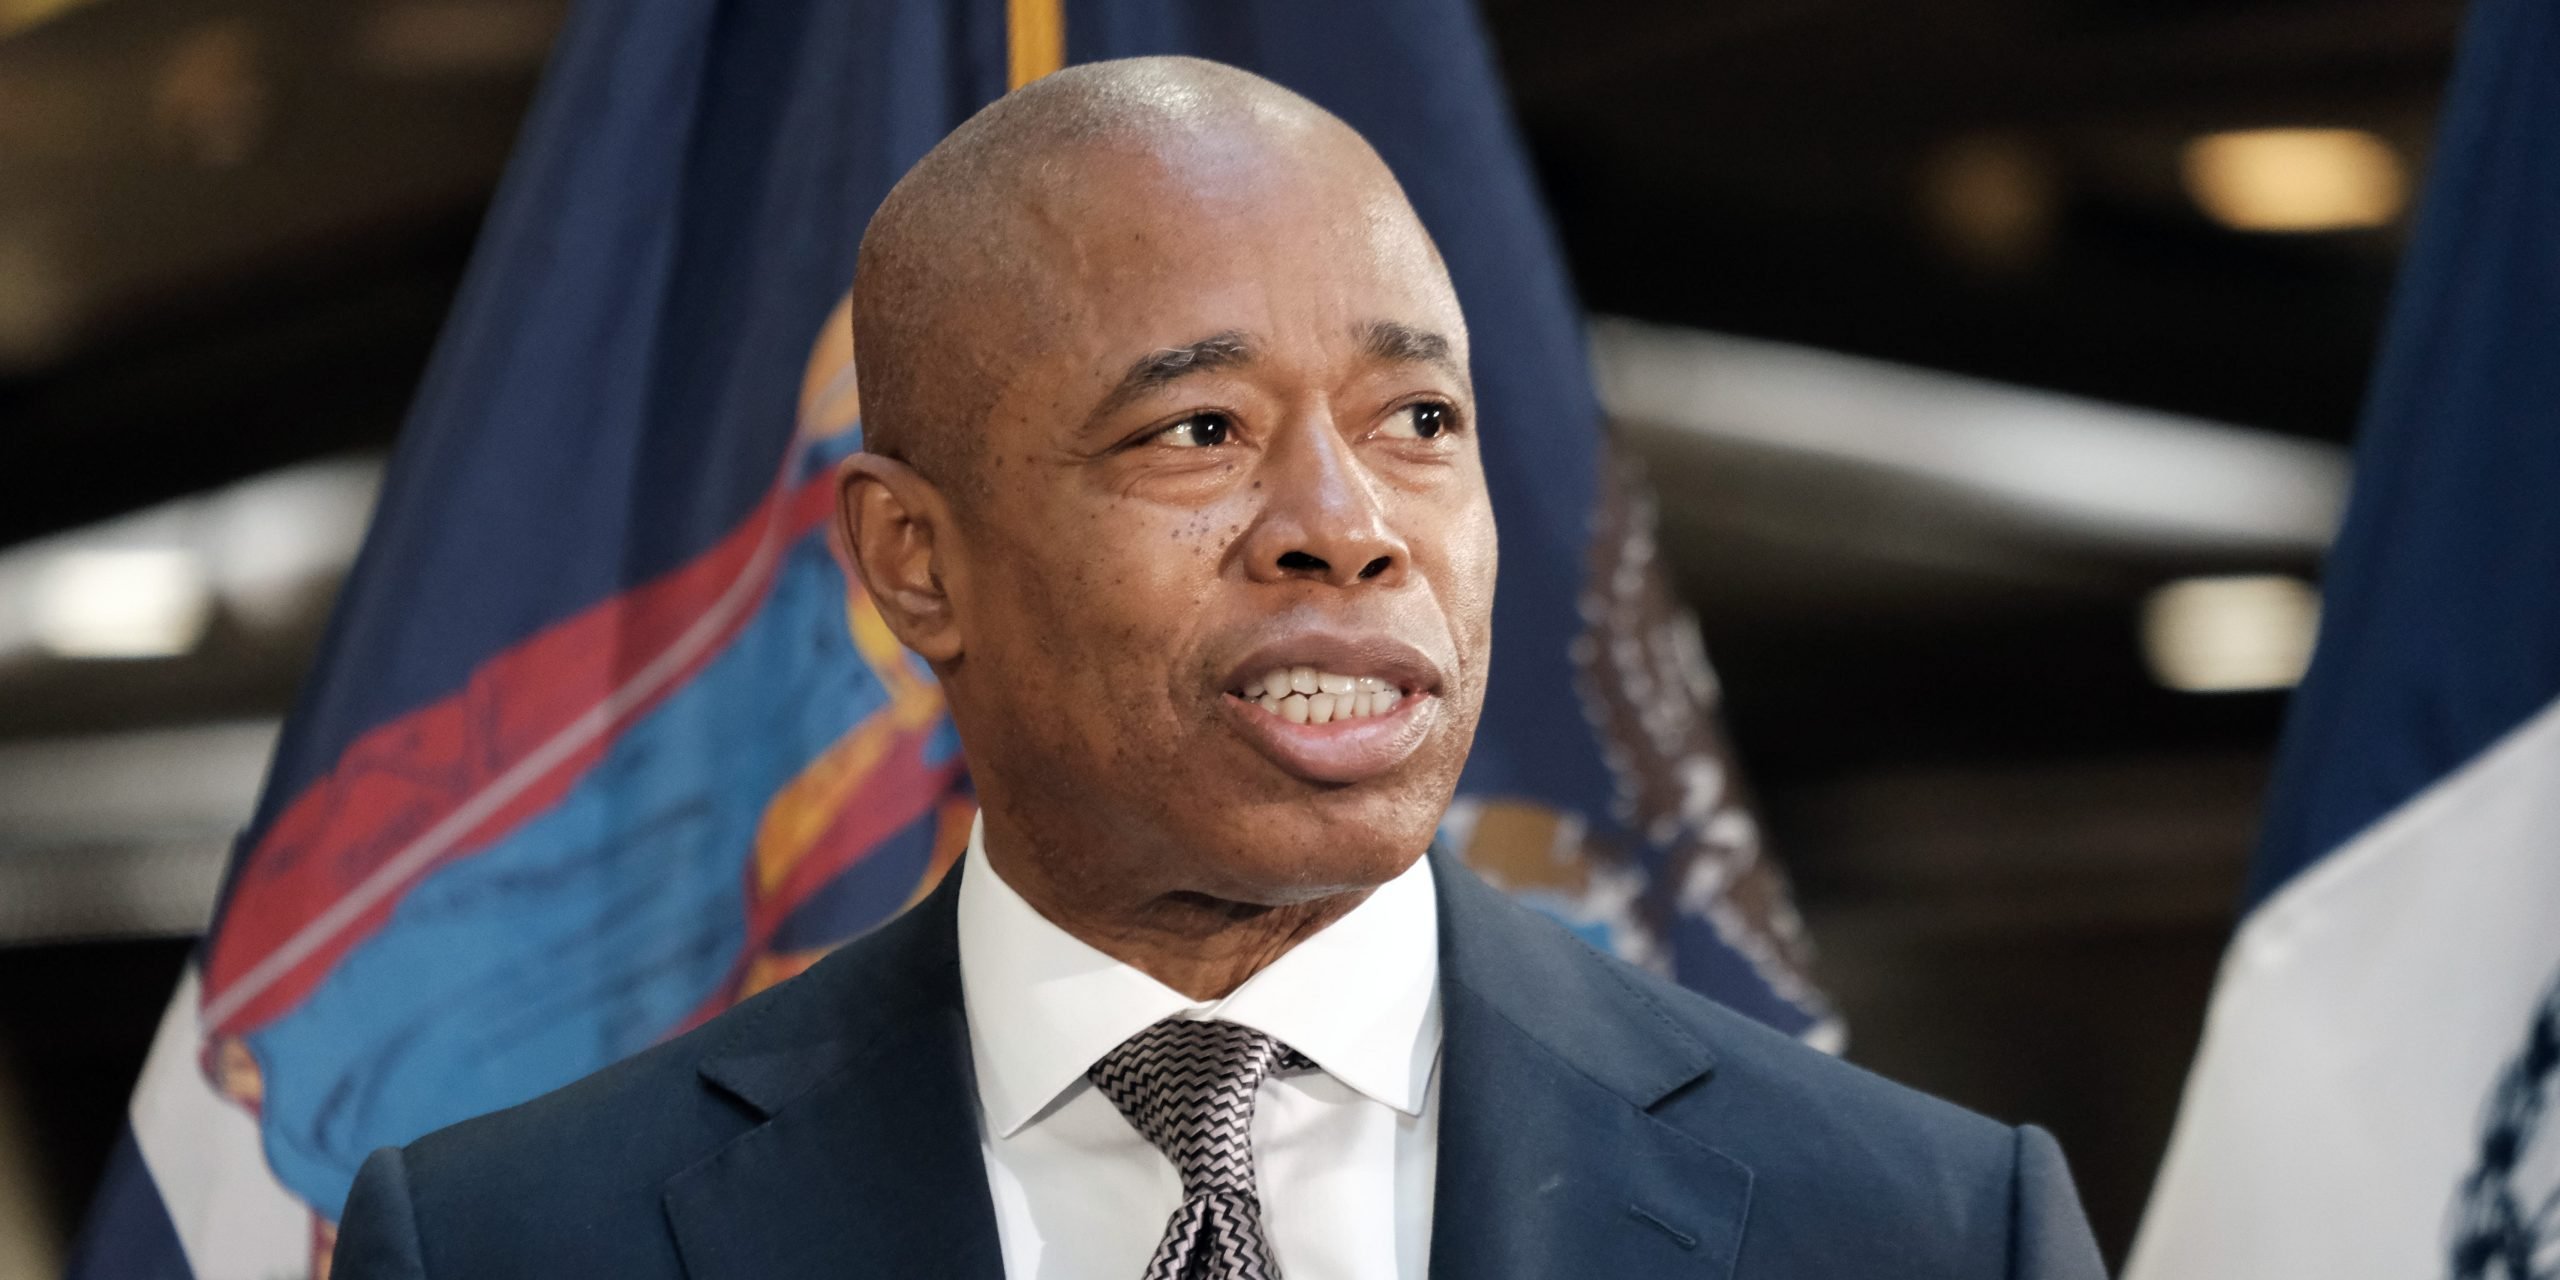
{"x": 596, "y": 745}
{"x": 2378, "y": 1090}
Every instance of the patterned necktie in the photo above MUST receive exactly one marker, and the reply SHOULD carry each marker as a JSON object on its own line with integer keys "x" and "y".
{"x": 1188, "y": 1085}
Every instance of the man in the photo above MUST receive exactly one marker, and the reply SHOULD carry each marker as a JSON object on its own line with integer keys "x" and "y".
{"x": 1171, "y": 475}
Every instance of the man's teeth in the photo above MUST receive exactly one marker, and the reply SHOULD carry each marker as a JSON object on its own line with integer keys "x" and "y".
{"x": 1304, "y": 695}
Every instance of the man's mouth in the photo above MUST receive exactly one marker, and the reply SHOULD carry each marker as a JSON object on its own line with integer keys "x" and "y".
{"x": 1307, "y": 695}
{"x": 1334, "y": 708}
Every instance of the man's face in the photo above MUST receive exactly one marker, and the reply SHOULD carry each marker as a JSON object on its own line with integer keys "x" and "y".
{"x": 1243, "y": 455}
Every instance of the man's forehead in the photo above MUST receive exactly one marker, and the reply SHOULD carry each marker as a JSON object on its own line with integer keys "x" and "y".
{"x": 1218, "y": 193}
{"x": 1165, "y": 239}
{"x": 1143, "y": 259}
{"x": 1082, "y": 226}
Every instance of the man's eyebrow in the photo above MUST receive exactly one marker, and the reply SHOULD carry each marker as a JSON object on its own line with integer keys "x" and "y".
{"x": 1403, "y": 344}
{"x": 1171, "y": 364}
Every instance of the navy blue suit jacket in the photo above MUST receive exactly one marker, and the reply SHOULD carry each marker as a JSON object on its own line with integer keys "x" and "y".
{"x": 1595, "y": 1121}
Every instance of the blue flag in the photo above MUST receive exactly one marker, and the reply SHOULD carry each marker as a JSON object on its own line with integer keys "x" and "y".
{"x": 2378, "y": 1093}
{"x": 596, "y": 745}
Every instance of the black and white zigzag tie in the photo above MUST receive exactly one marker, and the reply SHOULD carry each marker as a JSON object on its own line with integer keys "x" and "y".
{"x": 1188, "y": 1085}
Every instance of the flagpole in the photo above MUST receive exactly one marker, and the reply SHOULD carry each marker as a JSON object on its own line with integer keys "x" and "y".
{"x": 1036, "y": 38}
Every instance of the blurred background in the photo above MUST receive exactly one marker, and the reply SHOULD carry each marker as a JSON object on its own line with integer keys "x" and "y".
{"x": 1993, "y": 363}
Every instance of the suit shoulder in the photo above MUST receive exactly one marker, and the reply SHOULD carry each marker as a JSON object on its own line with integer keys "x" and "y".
{"x": 1779, "y": 1071}
{"x": 1849, "y": 1174}
{"x": 1930, "y": 1185}
{"x": 573, "y": 1176}
{"x": 583, "y": 1166}
{"x": 639, "y": 1101}
{"x": 1644, "y": 1034}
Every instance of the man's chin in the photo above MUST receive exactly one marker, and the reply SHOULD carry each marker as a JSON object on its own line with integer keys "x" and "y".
{"x": 1310, "y": 855}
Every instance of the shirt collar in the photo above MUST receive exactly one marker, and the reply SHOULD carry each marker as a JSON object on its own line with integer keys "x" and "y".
{"x": 1361, "y": 997}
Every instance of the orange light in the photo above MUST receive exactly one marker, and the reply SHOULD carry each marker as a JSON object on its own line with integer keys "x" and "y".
{"x": 2296, "y": 179}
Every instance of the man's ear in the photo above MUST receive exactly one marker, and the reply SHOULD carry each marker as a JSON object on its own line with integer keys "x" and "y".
{"x": 897, "y": 533}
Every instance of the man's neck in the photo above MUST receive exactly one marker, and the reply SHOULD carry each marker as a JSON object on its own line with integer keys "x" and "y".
{"x": 1201, "y": 946}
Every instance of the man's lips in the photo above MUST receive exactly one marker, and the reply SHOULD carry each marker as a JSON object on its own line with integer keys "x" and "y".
{"x": 1343, "y": 751}
{"x": 1383, "y": 657}
{"x": 1333, "y": 707}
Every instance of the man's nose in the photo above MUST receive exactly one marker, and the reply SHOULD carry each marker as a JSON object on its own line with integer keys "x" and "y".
{"x": 1322, "y": 518}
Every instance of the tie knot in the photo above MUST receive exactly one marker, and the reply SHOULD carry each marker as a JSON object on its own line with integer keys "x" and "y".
{"x": 1187, "y": 1085}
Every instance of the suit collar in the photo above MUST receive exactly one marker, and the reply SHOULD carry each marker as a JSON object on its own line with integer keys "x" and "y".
{"x": 867, "y": 1156}
{"x": 1553, "y": 1159}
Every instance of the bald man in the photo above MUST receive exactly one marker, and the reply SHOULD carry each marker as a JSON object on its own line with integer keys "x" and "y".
{"x": 1171, "y": 475}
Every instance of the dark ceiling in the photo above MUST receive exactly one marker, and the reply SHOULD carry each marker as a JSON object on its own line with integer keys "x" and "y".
{"x": 1780, "y": 167}
{"x": 228, "y": 232}
{"x": 230, "y": 227}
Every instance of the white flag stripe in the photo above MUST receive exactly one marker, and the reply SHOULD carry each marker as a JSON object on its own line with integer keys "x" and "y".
{"x": 235, "y": 1221}
{"x": 2360, "y": 1019}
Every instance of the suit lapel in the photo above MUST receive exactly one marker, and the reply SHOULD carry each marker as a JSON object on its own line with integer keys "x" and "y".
{"x": 1551, "y": 1162}
{"x": 867, "y": 1162}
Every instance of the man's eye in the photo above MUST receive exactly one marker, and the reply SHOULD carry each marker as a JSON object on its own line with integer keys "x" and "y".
{"x": 1199, "y": 431}
{"x": 1424, "y": 421}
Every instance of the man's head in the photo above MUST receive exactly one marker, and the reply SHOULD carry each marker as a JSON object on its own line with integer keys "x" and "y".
{"x": 1164, "y": 389}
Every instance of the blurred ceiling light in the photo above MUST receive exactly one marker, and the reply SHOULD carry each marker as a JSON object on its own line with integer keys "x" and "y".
{"x": 126, "y": 602}
{"x": 19, "y": 15}
{"x": 36, "y": 299}
{"x": 268, "y": 552}
{"x": 210, "y": 98}
{"x": 459, "y": 37}
{"x": 1990, "y": 200}
{"x": 276, "y": 540}
{"x": 2295, "y": 179}
{"x": 2056, "y": 464}
{"x": 2230, "y": 634}
{"x": 133, "y": 785}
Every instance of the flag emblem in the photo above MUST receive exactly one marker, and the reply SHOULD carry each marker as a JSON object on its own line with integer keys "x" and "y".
{"x": 2507, "y": 1225}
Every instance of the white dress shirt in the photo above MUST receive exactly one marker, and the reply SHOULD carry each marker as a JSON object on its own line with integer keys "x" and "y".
{"x": 1343, "y": 1155}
